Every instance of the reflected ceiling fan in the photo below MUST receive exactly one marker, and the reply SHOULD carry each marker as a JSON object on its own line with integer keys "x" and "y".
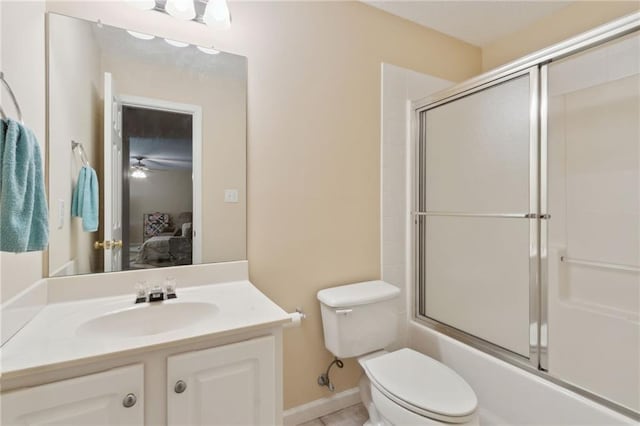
{"x": 139, "y": 170}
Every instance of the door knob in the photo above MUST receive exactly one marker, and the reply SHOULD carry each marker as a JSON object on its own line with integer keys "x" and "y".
{"x": 180, "y": 386}
{"x": 129, "y": 400}
{"x": 99, "y": 245}
{"x": 107, "y": 244}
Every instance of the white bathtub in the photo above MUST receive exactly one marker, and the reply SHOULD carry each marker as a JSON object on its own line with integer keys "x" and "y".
{"x": 509, "y": 395}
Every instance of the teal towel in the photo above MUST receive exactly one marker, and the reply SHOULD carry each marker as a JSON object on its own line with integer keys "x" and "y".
{"x": 84, "y": 203}
{"x": 75, "y": 210}
{"x": 24, "y": 220}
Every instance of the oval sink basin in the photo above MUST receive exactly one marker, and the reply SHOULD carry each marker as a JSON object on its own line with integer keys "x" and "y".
{"x": 148, "y": 319}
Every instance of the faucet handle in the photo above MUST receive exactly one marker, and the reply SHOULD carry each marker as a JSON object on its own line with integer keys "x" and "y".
{"x": 170, "y": 288}
{"x": 142, "y": 291}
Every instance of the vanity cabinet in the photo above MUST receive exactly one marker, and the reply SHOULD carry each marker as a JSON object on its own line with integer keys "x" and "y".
{"x": 233, "y": 380}
{"x": 114, "y": 397}
{"x": 228, "y": 385}
{"x": 223, "y": 368}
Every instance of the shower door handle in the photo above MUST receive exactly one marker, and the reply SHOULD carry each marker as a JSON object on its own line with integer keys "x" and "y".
{"x": 537, "y": 216}
{"x": 488, "y": 215}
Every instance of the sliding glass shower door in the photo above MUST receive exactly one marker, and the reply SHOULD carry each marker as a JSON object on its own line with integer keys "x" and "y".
{"x": 527, "y": 215}
{"x": 477, "y": 209}
{"x": 593, "y": 140}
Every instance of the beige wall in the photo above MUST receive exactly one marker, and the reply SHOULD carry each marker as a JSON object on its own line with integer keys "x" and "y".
{"x": 571, "y": 20}
{"x": 75, "y": 93}
{"x": 166, "y": 191}
{"x": 313, "y": 144}
{"x": 314, "y": 157}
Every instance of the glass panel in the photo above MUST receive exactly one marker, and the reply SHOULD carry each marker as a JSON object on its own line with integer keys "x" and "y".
{"x": 477, "y": 277}
{"x": 475, "y": 159}
{"x": 477, "y": 151}
{"x": 594, "y": 231}
{"x": 176, "y": 119}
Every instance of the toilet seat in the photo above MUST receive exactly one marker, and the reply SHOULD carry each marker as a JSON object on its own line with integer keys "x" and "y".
{"x": 422, "y": 385}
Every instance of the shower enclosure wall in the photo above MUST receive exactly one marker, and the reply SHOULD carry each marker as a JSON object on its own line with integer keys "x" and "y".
{"x": 527, "y": 213}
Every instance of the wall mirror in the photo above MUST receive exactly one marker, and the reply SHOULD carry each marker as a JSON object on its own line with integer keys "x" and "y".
{"x": 162, "y": 124}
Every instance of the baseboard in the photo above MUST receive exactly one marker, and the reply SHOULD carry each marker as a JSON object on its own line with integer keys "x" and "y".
{"x": 321, "y": 407}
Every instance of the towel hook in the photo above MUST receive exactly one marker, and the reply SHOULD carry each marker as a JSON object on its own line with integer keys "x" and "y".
{"x": 13, "y": 98}
{"x": 83, "y": 155}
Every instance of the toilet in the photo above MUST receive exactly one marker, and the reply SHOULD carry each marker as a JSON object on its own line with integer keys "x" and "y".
{"x": 403, "y": 387}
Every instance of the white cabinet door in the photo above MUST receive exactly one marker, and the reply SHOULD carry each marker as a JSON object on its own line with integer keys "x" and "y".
{"x": 96, "y": 399}
{"x": 228, "y": 385}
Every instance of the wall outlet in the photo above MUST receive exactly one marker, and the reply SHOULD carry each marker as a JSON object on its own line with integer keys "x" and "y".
{"x": 230, "y": 195}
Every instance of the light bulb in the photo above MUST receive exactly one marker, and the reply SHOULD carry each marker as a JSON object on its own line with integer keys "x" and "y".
{"x": 138, "y": 174}
{"x": 208, "y": 50}
{"x": 176, "y": 43}
{"x": 182, "y": 9}
{"x": 141, "y": 36}
{"x": 217, "y": 15}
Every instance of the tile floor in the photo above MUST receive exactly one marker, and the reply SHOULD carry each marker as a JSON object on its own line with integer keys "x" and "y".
{"x": 355, "y": 415}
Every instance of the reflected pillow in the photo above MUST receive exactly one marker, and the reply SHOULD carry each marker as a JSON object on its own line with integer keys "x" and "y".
{"x": 186, "y": 229}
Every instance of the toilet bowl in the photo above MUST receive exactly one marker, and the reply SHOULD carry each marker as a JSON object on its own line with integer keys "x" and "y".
{"x": 402, "y": 387}
{"x": 409, "y": 388}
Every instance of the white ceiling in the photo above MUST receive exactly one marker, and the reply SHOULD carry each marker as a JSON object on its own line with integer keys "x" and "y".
{"x": 477, "y": 22}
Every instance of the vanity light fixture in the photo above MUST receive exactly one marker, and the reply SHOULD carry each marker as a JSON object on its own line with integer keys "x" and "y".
{"x": 141, "y": 36}
{"x": 181, "y": 9}
{"x": 217, "y": 15}
{"x": 176, "y": 43}
{"x": 214, "y": 13}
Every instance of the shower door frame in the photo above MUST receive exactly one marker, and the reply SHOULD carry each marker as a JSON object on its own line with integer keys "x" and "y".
{"x": 531, "y": 215}
{"x": 536, "y": 66}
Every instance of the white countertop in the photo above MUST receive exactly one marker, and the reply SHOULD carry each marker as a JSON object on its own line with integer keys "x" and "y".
{"x": 50, "y": 340}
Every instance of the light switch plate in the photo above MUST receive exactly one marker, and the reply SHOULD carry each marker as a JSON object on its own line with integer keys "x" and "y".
{"x": 230, "y": 195}
{"x": 61, "y": 213}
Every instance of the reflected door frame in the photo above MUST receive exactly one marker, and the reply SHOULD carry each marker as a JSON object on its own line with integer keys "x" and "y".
{"x": 196, "y": 113}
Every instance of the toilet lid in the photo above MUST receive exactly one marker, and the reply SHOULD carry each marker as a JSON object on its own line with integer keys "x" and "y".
{"x": 422, "y": 382}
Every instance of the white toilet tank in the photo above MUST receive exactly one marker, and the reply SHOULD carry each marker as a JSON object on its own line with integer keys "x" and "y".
{"x": 359, "y": 318}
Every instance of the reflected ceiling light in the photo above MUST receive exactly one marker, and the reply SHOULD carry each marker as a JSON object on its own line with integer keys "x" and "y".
{"x": 141, "y": 36}
{"x": 138, "y": 174}
{"x": 176, "y": 43}
{"x": 208, "y": 50}
{"x": 139, "y": 169}
{"x": 181, "y": 9}
{"x": 143, "y": 4}
{"x": 217, "y": 15}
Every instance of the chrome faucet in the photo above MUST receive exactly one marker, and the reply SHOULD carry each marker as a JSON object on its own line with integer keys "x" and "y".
{"x": 157, "y": 293}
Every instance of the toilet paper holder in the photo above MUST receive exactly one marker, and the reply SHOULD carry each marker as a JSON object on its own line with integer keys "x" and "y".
{"x": 296, "y": 318}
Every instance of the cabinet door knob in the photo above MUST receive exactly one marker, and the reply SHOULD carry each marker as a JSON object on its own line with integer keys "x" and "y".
{"x": 180, "y": 386}
{"x": 129, "y": 400}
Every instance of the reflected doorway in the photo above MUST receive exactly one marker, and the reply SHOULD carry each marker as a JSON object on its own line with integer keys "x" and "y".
{"x": 158, "y": 187}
